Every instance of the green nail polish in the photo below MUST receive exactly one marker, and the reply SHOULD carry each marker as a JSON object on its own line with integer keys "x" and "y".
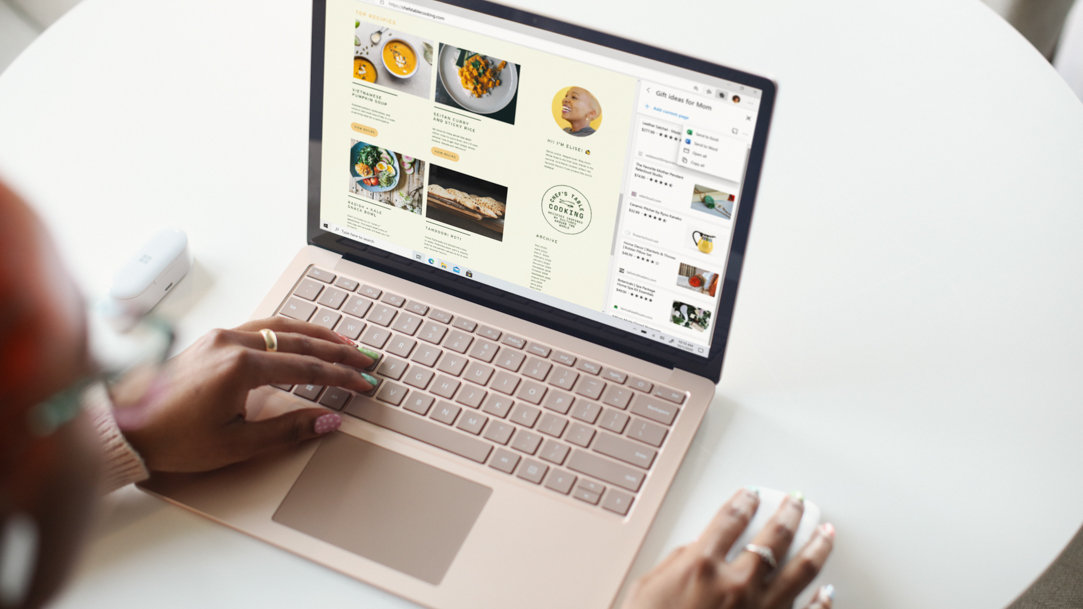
{"x": 371, "y": 379}
{"x": 755, "y": 490}
{"x": 798, "y": 495}
{"x": 374, "y": 356}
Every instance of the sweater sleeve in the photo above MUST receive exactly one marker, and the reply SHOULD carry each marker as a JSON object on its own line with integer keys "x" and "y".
{"x": 122, "y": 465}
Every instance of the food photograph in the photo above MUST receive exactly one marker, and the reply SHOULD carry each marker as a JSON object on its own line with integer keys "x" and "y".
{"x": 476, "y": 82}
{"x": 466, "y": 202}
{"x": 382, "y": 175}
{"x": 392, "y": 59}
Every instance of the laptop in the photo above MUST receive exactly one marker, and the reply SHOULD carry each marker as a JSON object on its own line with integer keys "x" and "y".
{"x": 540, "y": 228}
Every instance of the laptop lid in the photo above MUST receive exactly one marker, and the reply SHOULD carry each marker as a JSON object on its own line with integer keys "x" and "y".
{"x": 595, "y": 185}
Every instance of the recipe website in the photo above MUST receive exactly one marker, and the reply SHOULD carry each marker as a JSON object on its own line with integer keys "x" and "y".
{"x": 532, "y": 166}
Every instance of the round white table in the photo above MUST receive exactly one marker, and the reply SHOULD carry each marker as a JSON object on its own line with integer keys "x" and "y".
{"x": 907, "y": 341}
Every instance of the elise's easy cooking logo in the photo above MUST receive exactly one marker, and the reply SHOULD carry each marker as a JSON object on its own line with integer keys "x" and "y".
{"x": 566, "y": 209}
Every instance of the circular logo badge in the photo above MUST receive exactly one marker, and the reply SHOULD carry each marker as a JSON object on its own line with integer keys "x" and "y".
{"x": 566, "y": 209}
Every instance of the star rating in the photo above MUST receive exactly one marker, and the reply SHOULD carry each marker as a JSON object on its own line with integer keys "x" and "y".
{"x": 651, "y": 216}
{"x": 664, "y": 135}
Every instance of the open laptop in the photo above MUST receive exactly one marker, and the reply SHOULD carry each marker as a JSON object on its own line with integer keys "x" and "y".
{"x": 540, "y": 228}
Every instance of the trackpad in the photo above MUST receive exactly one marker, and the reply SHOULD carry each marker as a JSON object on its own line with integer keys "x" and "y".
{"x": 392, "y": 509}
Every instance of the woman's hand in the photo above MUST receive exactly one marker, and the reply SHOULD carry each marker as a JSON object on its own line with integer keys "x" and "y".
{"x": 192, "y": 416}
{"x": 697, "y": 576}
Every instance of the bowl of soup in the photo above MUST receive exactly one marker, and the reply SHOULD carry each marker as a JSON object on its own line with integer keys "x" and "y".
{"x": 399, "y": 57}
{"x": 363, "y": 69}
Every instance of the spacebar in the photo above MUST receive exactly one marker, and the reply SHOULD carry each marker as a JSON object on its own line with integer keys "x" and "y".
{"x": 429, "y": 432}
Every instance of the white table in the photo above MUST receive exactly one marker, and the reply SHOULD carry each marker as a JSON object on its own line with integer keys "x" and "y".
{"x": 908, "y": 336}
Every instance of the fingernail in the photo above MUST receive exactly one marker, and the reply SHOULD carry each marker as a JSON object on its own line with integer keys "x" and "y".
{"x": 826, "y": 593}
{"x": 327, "y": 423}
{"x": 798, "y": 495}
{"x": 374, "y": 356}
{"x": 822, "y": 541}
{"x": 371, "y": 379}
{"x": 345, "y": 340}
{"x": 747, "y": 500}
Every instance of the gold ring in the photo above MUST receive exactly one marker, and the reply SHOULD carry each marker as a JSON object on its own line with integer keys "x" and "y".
{"x": 270, "y": 339}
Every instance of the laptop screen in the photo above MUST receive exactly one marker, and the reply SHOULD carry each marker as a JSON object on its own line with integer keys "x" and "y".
{"x": 599, "y": 185}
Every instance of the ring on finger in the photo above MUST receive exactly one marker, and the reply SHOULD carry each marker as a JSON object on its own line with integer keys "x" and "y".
{"x": 767, "y": 555}
{"x": 270, "y": 339}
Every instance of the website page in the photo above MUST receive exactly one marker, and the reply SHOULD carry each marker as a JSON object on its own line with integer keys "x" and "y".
{"x": 541, "y": 166}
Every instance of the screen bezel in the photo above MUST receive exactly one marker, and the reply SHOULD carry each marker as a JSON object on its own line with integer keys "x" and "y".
{"x": 523, "y": 308}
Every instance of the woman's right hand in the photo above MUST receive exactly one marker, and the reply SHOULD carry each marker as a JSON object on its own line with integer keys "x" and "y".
{"x": 697, "y": 576}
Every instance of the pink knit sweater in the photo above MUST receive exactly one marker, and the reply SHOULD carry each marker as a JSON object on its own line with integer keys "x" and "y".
{"x": 123, "y": 465}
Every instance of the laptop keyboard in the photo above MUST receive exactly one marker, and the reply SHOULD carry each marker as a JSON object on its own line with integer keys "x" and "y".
{"x": 565, "y": 424}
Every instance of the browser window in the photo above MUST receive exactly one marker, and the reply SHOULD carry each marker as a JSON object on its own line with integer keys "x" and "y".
{"x": 556, "y": 171}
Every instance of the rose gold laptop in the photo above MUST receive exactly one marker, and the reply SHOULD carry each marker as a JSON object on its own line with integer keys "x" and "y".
{"x": 540, "y": 228}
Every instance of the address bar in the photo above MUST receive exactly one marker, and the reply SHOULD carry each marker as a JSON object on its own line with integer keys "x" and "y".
{"x": 413, "y": 10}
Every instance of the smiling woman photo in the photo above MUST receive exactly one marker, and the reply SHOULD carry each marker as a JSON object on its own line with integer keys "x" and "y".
{"x": 577, "y": 111}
